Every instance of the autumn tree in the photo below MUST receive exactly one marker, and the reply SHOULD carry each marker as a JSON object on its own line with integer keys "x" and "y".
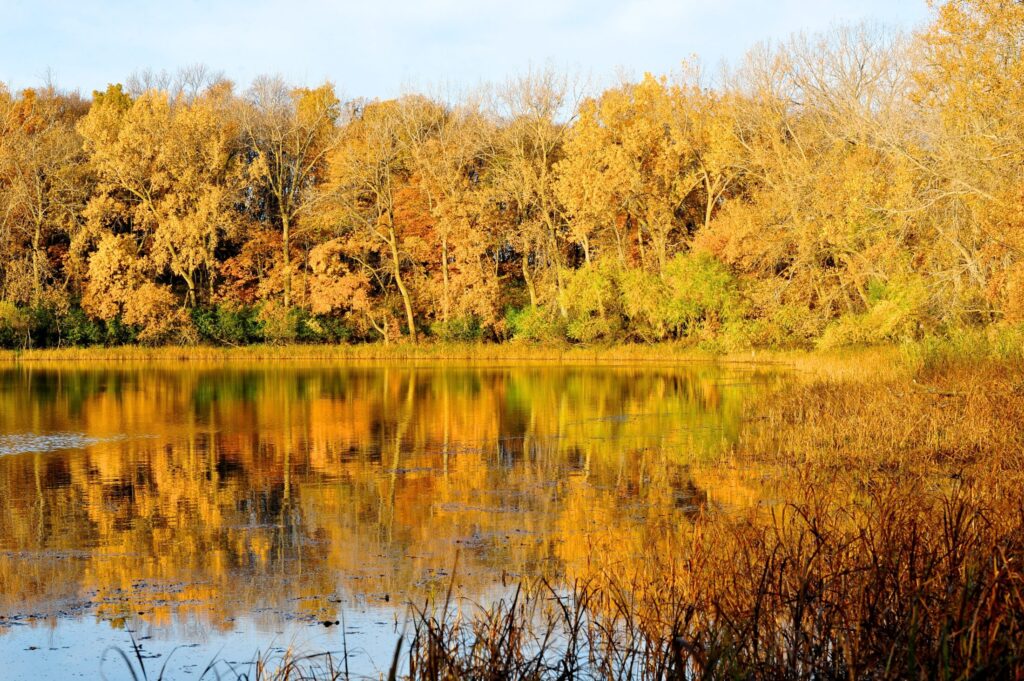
{"x": 970, "y": 115}
{"x": 447, "y": 148}
{"x": 290, "y": 132}
{"x": 521, "y": 168}
{"x": 826, "y": 209}
{"x": 43, "y": 186}
{"x": 373, "y": 203}
{"x": 627, "y": 176}
{"x": 168, "y": 181}
{"x": 168, "y": 171}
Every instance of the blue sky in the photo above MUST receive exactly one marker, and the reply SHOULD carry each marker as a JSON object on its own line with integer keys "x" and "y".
{"x": 377, "y": 48}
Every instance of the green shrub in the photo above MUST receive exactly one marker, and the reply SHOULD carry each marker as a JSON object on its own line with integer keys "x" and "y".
{"x": 701, "y": 295}
{"x": 227, "y": 325}
{"x": 785, "y": 326}
{"x": 311, "y": 328}
{"x": 278, "y": 324}
{"x": 14, "y": 326}
{"x": 733, "y": 336}
{"x": 592, "y": 303}
{"x": 79, "y": 329}
{"x": 643, "y": 297}
{"x": 535, "y": 323}
{"x": 119, "y": 333}
{"x": 462, "y": 329}
{"x": 897, "y": 311}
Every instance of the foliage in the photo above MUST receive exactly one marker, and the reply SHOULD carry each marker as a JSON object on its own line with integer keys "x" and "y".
{"x": 79, "y": 329}
{"x": 227, "y": 325}
{"x": 14, "y": 326}
{"x": 784, "y": 326}
{"x": 701, "y": 295}
{"x": 850, "y": 188}
{"x": 896, "y": 312}
{"x": 279, "y": 324}
{"x": 591, "y": 301}
{"x": 461, "y": 329}
{"x": 535, "y": 323}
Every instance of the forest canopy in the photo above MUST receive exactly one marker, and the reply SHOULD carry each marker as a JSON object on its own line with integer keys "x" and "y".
{"x": 858, "y": 187}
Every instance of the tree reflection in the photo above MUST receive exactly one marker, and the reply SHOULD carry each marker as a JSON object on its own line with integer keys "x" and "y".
{"x": 210, "y": 491}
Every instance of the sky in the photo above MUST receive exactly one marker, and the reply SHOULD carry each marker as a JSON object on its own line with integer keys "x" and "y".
{"x": 376, "y": 48}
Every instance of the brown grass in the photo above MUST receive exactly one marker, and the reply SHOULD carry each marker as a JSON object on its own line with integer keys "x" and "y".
{"x": 896, "y": 550}
{"x": 847, "y": 364}
{"x": 909, "y": 582}
{"x": 960, "y": 417}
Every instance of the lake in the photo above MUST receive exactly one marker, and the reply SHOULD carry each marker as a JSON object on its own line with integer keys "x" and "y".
{"x": 218, "y": 510}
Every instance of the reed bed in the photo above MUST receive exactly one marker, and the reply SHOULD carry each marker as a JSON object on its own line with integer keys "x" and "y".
{"x": 511, "y": 352}
{"x": 895, "y": 550}
{"x": 953, "y": 420}
{"x": 903, "y": 589}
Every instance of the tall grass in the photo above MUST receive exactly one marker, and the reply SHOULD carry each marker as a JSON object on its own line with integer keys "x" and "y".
{"x": 513, "y": 351}
{"x": 285, "y": 666}
{"x": 913, "y": 585}
{"x": 898, "y": 553}
{"x": 965, "y": 347}
{"x": 862, "y": 364}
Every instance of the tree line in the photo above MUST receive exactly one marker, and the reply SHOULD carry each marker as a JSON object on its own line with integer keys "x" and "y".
{"x": 860, "y": 186}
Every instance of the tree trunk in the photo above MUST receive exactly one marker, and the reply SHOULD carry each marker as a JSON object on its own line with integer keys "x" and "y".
{"x": 444, "y": 273}
{"x": 286, "y": 246}
{"x": 409, "y": 316}
{"x": 529, "y": 281}
{"x": 37, "y": 270}
{"x": 640, "y": 244}
{"x": 559, "y": 285}
{"x": 190, "y": 281}
{"x": 557, "y": 257}
{"x": 381, "y": 329}
{"x": 710, "y": 204}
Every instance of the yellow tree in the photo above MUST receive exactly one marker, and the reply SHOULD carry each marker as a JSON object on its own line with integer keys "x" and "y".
{"x": 446, "y": 147}
{"x": 42, "y": 184}
{"x": 971, "y": 112}
{"x": 521, "y": 162}
{"x": 588, "y": 179}
{"x": 167, "y": 170}
{"x": 825, "y": 209}
{"x": 368, "y": 187}
{"x": 291, "y": 131}
{"x": 201, "y": 157}
{"x": 626, "y": 173}
{"x": 703, "y": 133}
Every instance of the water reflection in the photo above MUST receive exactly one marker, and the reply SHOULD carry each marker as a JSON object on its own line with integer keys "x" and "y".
{"x": 190, "y": 494}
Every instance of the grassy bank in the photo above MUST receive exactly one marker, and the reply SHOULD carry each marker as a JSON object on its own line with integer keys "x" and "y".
{"x": 400, "y": 351}
{"x": 860, "y": 364}
{"x": 961, "y": 348}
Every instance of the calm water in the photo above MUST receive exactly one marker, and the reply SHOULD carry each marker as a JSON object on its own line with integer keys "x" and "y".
{"x": 228, "y": 510}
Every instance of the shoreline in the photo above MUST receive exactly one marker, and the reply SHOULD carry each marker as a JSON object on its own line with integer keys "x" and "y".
{"x": 443, "y": 352}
